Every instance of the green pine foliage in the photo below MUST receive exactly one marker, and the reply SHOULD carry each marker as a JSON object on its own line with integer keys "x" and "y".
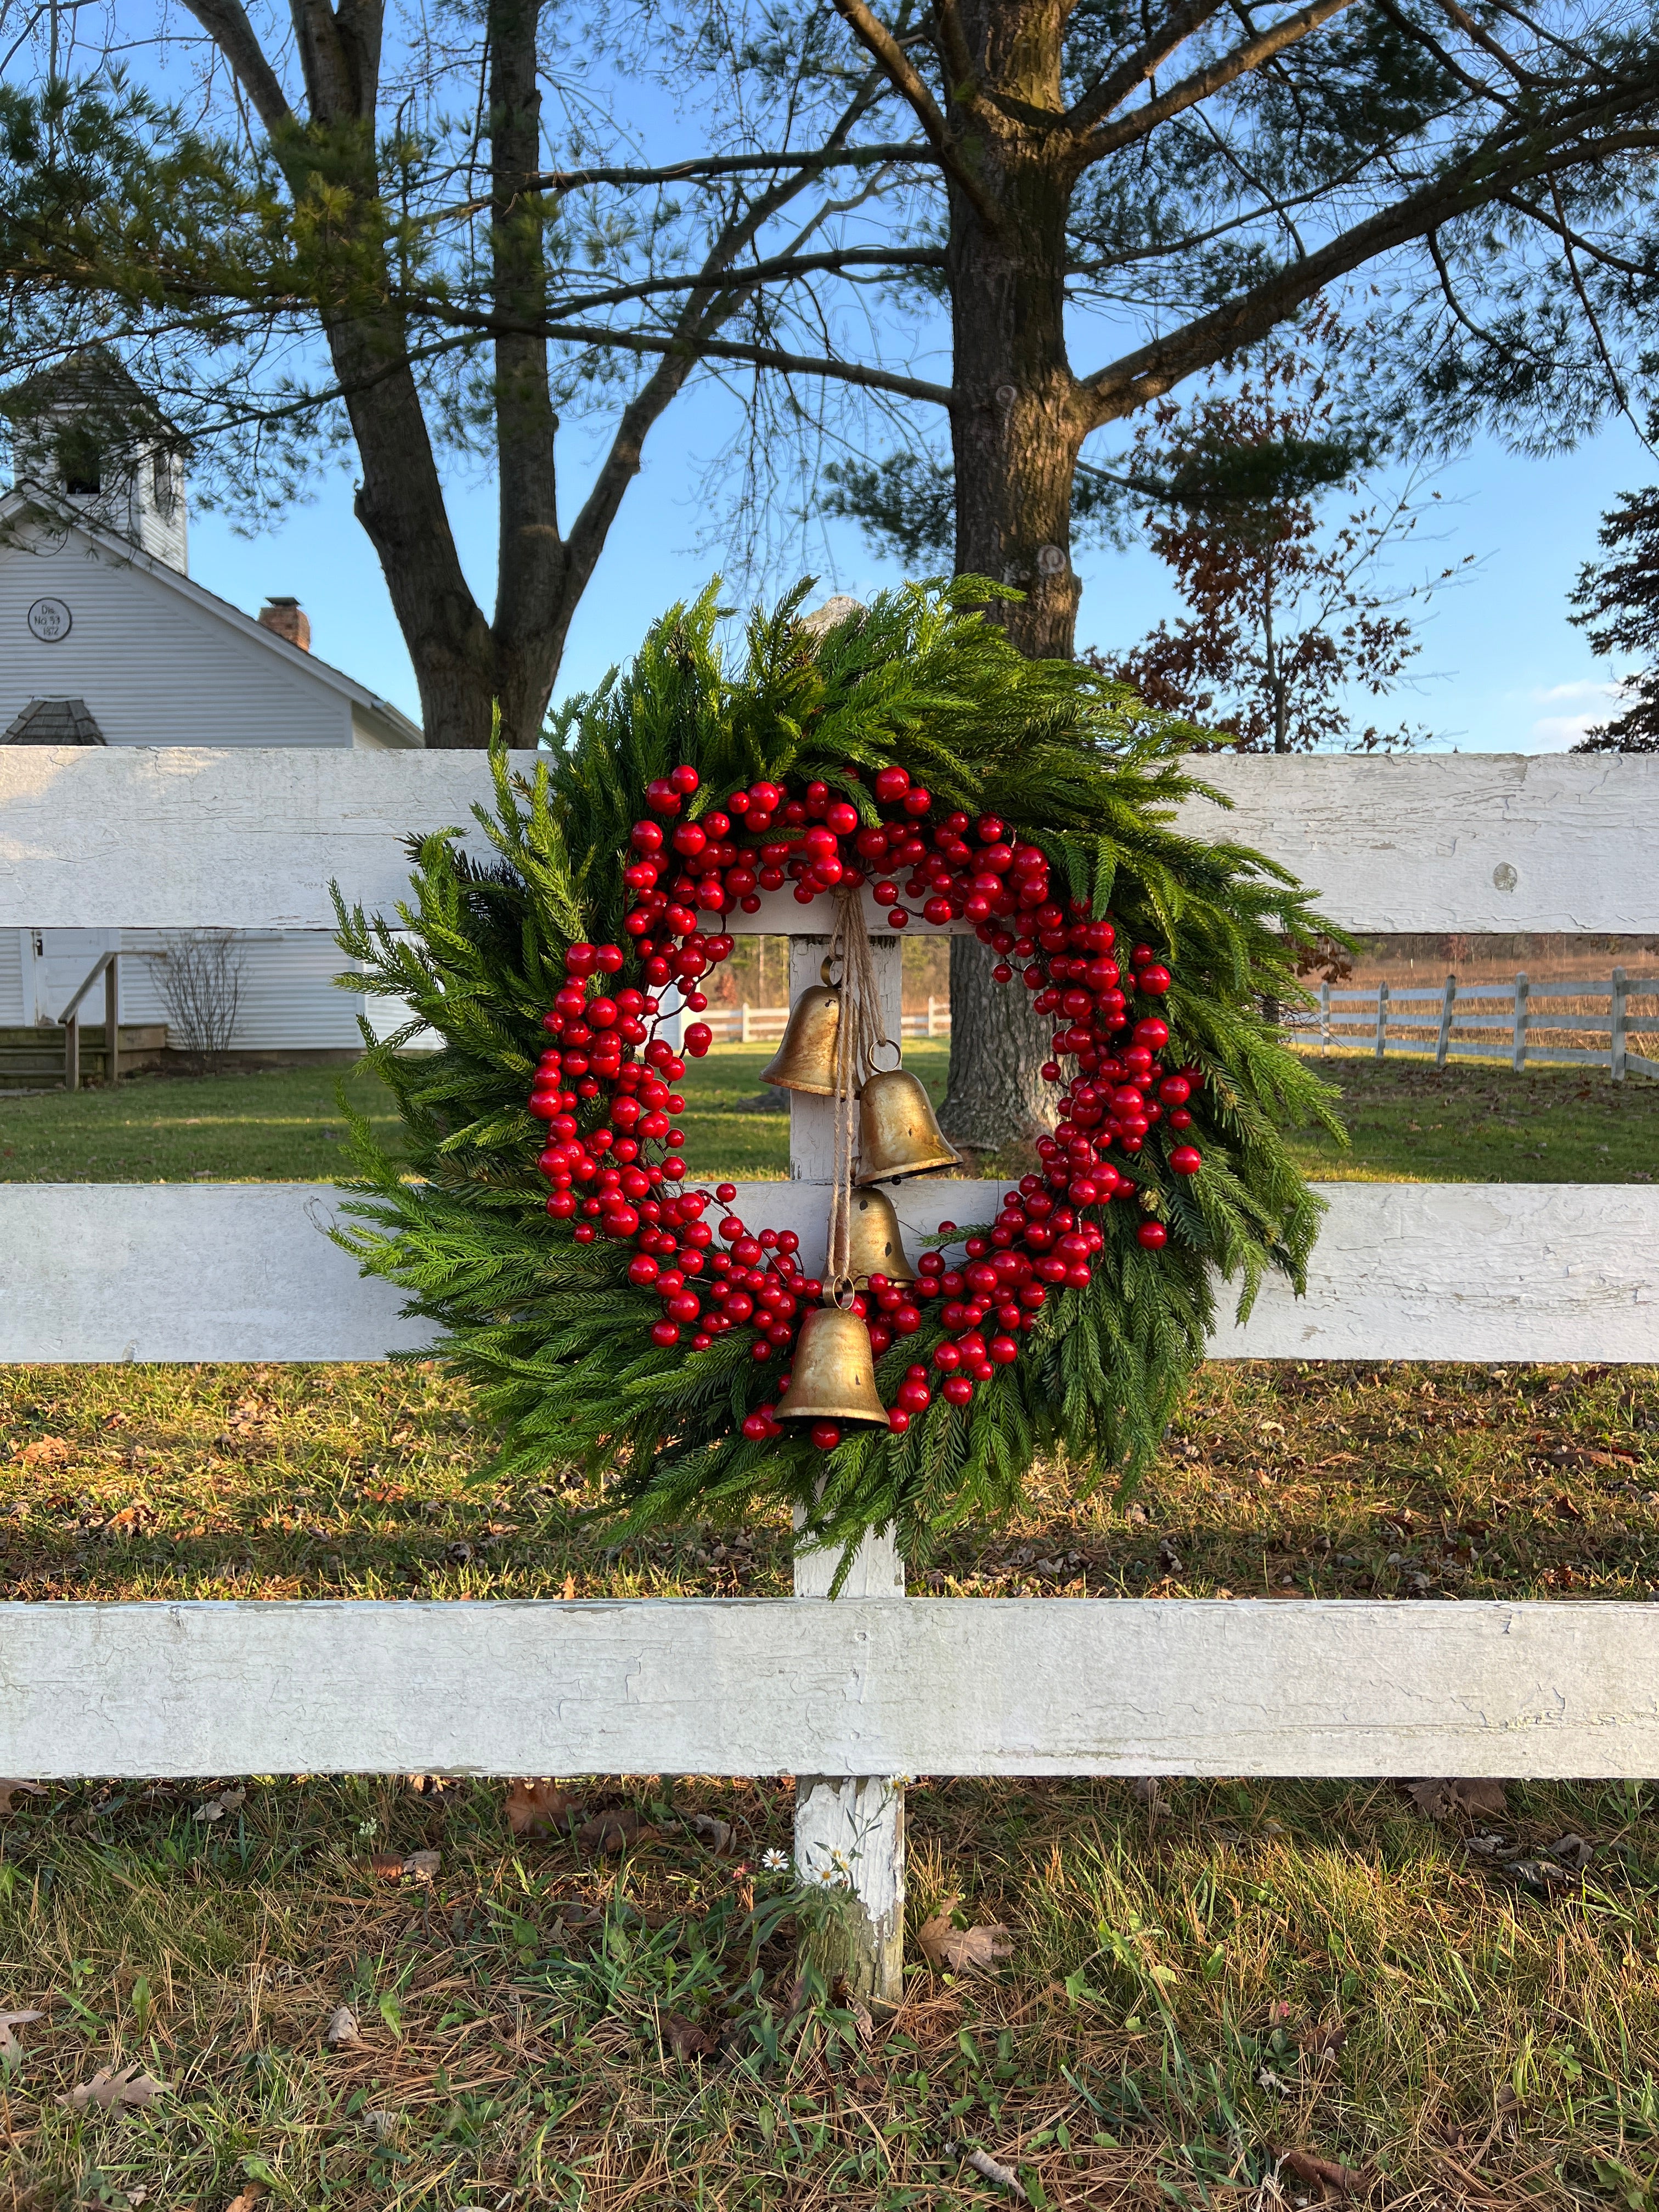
{"x": 551, "y": 1332}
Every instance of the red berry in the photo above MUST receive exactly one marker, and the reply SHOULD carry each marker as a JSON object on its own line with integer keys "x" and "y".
{"x": 661, "y": 797}
{"x": 580, "y": 959}
{"x": 1153, "y": 1235}
{"x": 1002, "y": 973}
{"x": 642, "y": 1270}
{"x": 892, "y": 784}
{"x": 608, "y": 958}
{"x": 665, "y": 1332}
{"x": 825, "y": 1435}
{"x": 725, "y": 1192}
{"x": 899, "y": 918}
{"x": 947, "y": 1357}
{"x": 684, "y": 780}
{"x": 957, "y": 1390}
{"x": 1154, "y": 979}
{"x": 898, "y": 1421}
{"x": 699, "y": 1036}
{"x": 756, "y": 1427}
{"x": 1175, "y": 1090}
{"x": 1185, "y": 1159}
{"x": 646, "y": 837}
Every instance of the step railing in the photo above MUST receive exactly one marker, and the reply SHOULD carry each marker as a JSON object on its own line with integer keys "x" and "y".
{"x": 752, "y": 1025}
{"x": 108, "y": 965}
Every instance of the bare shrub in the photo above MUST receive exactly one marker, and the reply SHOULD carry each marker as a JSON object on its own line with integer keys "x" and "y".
{"x": 200, "y": 980}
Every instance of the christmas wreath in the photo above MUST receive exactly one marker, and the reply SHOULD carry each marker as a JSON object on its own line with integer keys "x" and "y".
{"x": 612, "y": 1308}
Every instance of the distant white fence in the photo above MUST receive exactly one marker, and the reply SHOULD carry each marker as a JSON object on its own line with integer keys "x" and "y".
{"x": 1384, "y": 1017}
{"x": 750, "y": 1024}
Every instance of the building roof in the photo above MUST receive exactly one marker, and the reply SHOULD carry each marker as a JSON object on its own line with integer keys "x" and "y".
{"x": 27, "y": 502}
{"x": 53, "y": 722}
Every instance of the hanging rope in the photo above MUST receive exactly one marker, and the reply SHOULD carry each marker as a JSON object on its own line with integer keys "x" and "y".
{"x": 858, "y": 1034}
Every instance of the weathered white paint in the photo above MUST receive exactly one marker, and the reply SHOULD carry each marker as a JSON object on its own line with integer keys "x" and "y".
{"x": 1468, "y": 1271}
{"x": 186, "y": 1272}
{"x": 162, "y": 661}
{"x": 1402, "y": 1271}
{"x": 1451, "y": 840}
{"x": 946, "y": 1686}
{"x": 135, "y": 838}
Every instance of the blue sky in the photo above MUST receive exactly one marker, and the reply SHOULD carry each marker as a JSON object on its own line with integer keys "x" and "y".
{"x": 1506, "y": 671}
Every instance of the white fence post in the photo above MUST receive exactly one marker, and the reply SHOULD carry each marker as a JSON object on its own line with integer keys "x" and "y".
{"x": 744, "y": 1033}
{"x": 1381, "y": 1019}
{"x": 849, "y": 1830}
{"x": 1522, "y": 1015}
{"x": 1325, "y": 1015}
{"x": 1448, "y": 1005}
{"x": 930, "y": 1016}
{"x": 1616, "y": 1035}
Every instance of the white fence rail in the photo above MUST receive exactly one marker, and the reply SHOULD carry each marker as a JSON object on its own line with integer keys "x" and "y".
{"x": 750, "y": 1024}
{"x": 1456, "y": 1020}
{"x": 869, "y": 1686}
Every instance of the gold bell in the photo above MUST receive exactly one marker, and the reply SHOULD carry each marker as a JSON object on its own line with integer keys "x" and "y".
{"x": 805, "y": 1059}
{"x": 897, "y": 1133}
{"x": 877, "y": 1243}
{"x": 833, "y": 1378}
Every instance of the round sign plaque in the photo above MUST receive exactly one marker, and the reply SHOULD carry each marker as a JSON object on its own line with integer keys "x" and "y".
{"x": 49, "y": 620}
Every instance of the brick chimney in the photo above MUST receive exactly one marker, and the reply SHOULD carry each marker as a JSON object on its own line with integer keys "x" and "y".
{"x": 288, "y": 619}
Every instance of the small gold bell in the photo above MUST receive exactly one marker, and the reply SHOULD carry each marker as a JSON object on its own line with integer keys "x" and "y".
{"x": 805, "y": 1059}
{"x": 897, "y": 1133}
{"x": 877, "y": 1245}
{"x": 833, "y": 1374}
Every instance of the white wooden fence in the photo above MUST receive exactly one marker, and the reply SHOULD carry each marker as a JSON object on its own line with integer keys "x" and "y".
{"x": 849, "y": 1694}
{"x": 750, "y": 1024}
{"x": 1457, "y": 1020}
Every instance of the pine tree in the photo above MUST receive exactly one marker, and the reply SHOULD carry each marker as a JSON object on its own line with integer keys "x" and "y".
{"x": 1616, "y": 603}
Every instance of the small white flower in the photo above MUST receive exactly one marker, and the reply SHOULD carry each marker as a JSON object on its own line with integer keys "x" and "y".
{"x": 368, "y": 1828}
{"x": 775, "y": 1862}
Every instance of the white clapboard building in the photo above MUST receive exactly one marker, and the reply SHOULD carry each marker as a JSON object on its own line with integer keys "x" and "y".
{"x": 106, "y": 639}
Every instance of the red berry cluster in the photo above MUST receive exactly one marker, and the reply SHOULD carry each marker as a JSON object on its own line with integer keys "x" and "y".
{"x": 622, "y": 1174}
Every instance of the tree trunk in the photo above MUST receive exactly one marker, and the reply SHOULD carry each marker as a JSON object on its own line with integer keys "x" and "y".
{"x": 532, "y": 563}
{"x": 1017, "y": 427}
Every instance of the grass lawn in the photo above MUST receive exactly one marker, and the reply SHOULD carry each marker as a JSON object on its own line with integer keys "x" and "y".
{"x": 1477, "y": 1122}
{"x": 1200, "y": 1976}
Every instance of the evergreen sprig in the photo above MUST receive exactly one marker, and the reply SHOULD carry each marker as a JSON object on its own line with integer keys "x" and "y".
{"x": 551, "y": 1334}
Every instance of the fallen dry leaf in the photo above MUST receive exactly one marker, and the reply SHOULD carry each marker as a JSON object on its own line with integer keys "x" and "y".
{"x": 342, "y": 2030}
{"x": 1574, "y": 1853}
{"x": 615, "y": 1831}
{"x": 215, "y": 1808}
{"x": 386, "y": 1866}
{"x": 538, "y": 1808}
{"x": 46, "y": 1451}
{"x": 990, "y": 2169}
{"x": 108, "y": 2091}
{"x": 11, "y": 1786}
{"x": 1323, "y": 2041}
{"x": 422, "y": 1866}
{"x": 1329, "y": 2178}
{"x": 717, "y": 1834}
{"x": 961, "y": 1950}
{"x": 246, "y": 2197}
{"x": 8, "y": 2021}
{"x": 685, "y": 2039}
{"x": 1441, "y": 1801}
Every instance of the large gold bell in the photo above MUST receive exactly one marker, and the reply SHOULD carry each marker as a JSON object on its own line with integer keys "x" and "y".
{"x": 897, "y": 1133}
{"x": 833, "y": 1378}
{"x": 877, "y": 1243}
{"x": 805, "y": 1059}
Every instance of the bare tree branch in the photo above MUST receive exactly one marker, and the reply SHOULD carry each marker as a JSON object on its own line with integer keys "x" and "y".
{"x": 729, "y": 164}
